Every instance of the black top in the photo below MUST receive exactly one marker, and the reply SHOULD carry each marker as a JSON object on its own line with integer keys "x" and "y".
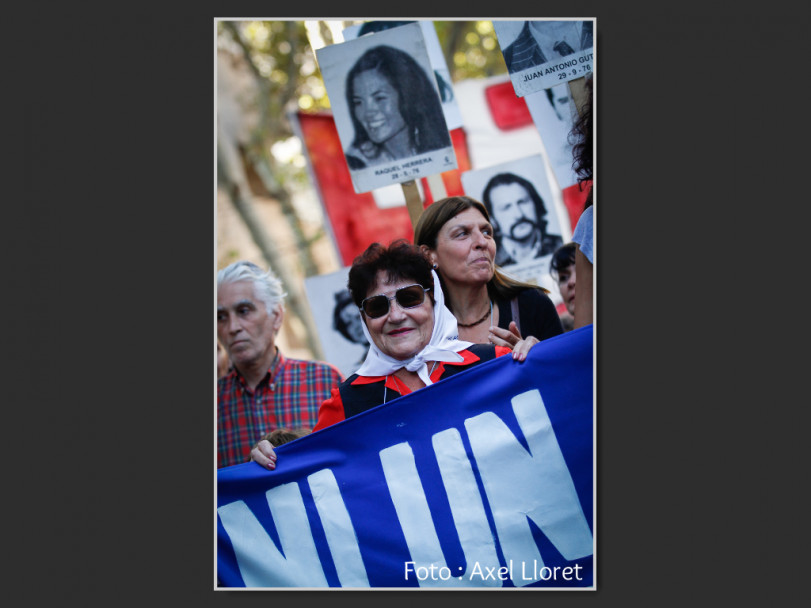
{"x": 537, "y": 315}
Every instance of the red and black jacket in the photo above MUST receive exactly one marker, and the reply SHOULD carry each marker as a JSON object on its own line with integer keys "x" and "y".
{"x": 360, "y": 393}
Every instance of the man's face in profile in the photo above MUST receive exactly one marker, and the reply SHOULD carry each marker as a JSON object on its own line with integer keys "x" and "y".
{"x": 560, "y": 99}
{"x": 514, "y": 211}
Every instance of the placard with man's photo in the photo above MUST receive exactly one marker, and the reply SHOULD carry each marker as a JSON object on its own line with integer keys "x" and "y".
{"x": 387, "y": 107}
{"x": 337, "y": 320}
{"x": 554, "y": 113}
{"x": 527, "y": 220}
{"x": 543, "y": 53}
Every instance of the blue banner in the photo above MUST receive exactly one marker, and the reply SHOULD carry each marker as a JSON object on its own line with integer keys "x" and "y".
{"x": 484, "y": 479}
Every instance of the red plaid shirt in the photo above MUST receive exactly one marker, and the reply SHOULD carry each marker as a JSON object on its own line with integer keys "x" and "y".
{"x": 290, "y": 401}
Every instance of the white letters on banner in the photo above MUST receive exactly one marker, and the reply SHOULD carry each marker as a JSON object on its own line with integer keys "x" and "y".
{"x": 519, "y": 485}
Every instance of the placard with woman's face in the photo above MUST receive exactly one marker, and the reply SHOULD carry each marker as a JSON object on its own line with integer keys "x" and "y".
{"x": 453, "y": 115}
{"x": 387, "y": 108}
{"x": 337, "y": 320}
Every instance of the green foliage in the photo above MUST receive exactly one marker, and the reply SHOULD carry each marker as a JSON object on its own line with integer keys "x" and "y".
{"x": 471, "y": 49}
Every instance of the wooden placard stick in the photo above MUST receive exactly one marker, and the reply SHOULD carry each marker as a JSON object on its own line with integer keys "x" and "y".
{"x": 580, "y": 95}
{"x": 437, "y": 185}
{"x": 413, "y": 200}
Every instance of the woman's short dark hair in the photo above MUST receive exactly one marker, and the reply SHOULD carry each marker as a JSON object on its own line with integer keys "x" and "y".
{"x": 400, "y": 260}
{"x": 427, "y": 230}
{"x": 562, "y": 258}
{"x": 419, "y": 104}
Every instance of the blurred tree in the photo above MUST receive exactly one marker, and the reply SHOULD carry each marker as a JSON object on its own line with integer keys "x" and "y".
{"x": 471, "y": 49}
{"x": 282, "y": 76}
{"x": 255, "y": 92}
{"x": 277, "y": 54}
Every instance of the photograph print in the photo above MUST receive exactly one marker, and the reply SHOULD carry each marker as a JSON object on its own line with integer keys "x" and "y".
{"x": 543, "y": 53}
{"x": 453, "y": 116}
{"x": 554, "y": 113}
{"x": 387, "y": 107}
{"x": 338, "y": 320}
{"x": 526, "y": 219}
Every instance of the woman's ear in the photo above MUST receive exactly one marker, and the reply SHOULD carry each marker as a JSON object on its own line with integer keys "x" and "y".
{"x": 429, "y": 253}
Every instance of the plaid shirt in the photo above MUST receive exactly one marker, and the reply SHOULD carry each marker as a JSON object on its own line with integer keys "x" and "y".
{"x": 290, "y": 401}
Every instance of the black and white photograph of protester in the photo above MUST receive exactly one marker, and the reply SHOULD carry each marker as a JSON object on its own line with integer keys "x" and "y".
{"x": 387, "y": 107}
{"x": 542, "y": 53}
{"x": 338, "y": 320}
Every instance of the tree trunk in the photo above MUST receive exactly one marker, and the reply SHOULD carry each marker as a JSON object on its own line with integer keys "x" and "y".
{"x": 235, "y": 184}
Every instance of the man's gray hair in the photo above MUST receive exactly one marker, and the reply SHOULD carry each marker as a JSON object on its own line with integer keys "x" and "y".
{"x": 266, "y": 286}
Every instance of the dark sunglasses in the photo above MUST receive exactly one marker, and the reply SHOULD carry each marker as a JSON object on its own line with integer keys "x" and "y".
{"x": 407, "y": 297}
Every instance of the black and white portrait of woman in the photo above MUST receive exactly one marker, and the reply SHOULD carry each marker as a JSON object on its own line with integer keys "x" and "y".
{"x": 346, "y": 318}
{"x": 453, "y": 115}
{"x": 395, "y": 112}
{"x": 337, "y": 320}
{"x": 387, "y": 107}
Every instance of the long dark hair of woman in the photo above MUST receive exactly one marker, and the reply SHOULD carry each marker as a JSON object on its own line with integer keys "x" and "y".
{"x": 582, "y": 143}
{"x": 419, "y": 103}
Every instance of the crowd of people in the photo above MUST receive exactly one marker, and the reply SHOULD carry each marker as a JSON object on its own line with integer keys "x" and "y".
{"x": 428, "y": 309}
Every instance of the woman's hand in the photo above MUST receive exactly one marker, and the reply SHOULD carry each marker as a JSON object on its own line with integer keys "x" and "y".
{"x": 263, "y": 454}
{"x": 512, "y": 339}
{"x": 522, "y": 347}
{"x": 504, "y": 337}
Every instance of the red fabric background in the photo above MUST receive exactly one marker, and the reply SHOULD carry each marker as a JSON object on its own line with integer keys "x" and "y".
{"x": 355, "y": 219}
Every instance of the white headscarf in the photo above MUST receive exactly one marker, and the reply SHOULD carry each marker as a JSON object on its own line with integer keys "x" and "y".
{"x": 444, "y": 345}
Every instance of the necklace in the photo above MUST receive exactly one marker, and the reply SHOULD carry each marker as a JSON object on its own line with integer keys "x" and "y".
{"x": 486, "y": 314}
{"x": 397, "y": 382}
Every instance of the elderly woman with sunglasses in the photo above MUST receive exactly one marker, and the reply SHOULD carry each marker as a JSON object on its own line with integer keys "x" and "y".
{"x": 413, "y": 337}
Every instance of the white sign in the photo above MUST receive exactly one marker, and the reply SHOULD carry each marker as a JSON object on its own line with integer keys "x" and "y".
{"x": 543, "y": 53}
{"x": 338, "y": 321}
{"x": 387, "y": 108}
{"x": 526, "y": 219}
